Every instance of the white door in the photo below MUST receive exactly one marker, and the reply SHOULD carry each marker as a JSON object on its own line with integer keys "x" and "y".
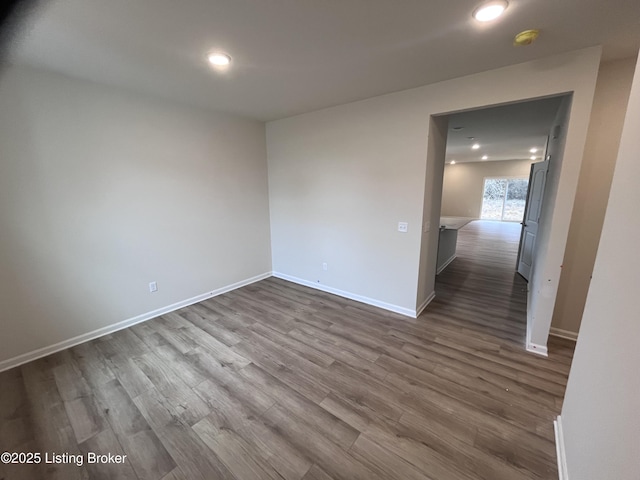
{"x": 537, "y": 182}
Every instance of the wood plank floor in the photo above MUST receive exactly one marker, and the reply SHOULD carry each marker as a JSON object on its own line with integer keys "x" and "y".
{"x": 277, "y": 381}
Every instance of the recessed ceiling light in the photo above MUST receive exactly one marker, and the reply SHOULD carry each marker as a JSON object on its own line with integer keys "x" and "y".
{"x": 457, "y": 129}
{"x": 485, "y": 157}
{"x": 453, "y": 162}
{"x": 533, "y": 150}
{"x": 489, "y": 11}
{"x": 219, "y": 59}
{"x": 475, "y": 146}
{"x": 532, "y": 157}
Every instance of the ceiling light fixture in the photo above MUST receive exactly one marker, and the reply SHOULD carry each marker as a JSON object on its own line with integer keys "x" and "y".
{"x": 532, "y": 157}
{"x": 490, "y": 10}
{"x": 485, "y": 157}
{"x": 453, "y": 162}
{"x": 219, "y": 59}
{"x": 475, "y": 146}
{"x": 533, "y": 150}
{"x": 526, "y": 38}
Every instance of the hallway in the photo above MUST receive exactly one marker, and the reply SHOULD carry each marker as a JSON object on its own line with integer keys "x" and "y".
{"x": 482, "y": 280}
{"x": 482, "y": 284}
{"x": 480, "y": 309}
{"x": 482, "y": 300}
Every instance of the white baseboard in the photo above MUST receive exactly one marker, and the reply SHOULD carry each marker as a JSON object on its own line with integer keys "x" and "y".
{"x": 529, "y": 345}
{"x": 445, "y": 264}
{"x": 352, "y": 296}
{"x": 424, "y": 304}
{"x": 43, "y": 352}
{"x": 537, "y": 349}
{"x": 563, "y": 474}
{"x": 558, "y": 332}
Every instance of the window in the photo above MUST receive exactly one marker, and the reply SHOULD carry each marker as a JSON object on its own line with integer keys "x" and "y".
{"x": 504, "y": 199}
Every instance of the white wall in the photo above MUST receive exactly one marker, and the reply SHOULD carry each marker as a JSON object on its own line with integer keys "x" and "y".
{"x": 464, "y": 184}
{"x": 600, "y": 420}
{"x": 546, "y": 267}
{"x": 601, "y": 150}
{"x": 340, "y": 179}
{"x": 102, "y": 192}
{"x": 437, "y": 148}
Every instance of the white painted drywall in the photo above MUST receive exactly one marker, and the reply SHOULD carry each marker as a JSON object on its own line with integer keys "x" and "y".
{"x": 103, "y": 191}
{"x": 432, "y": 204}
{"x": 600, "y": 419}
{"x": 601, "y": 150}
{"x": 547, "y": 262}
{"x": 341, "y": 179}
{"x": 464, "y": 183}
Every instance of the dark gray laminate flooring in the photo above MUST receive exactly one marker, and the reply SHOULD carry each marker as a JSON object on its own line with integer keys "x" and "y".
{"x": 275, "y": 380}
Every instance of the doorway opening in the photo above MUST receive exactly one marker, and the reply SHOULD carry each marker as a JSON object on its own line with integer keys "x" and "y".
{"x": 494, "y": 167}
{"x": 489, "y": 157}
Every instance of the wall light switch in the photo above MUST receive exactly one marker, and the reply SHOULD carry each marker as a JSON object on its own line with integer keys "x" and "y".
{"x": 403, "y": 227}
{"x": 153, "y": 287}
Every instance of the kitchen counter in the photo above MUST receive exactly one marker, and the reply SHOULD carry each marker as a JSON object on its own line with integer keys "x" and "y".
{"x": 455, "y": 223}
{"x": 448, "y": 240}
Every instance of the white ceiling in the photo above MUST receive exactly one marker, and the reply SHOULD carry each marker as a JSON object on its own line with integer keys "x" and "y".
{"x": 294, "y": 56}
{"x": 504, "y": 133}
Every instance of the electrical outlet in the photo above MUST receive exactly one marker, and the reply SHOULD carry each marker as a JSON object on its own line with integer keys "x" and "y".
{"x": 153, "y": 287}
{"x": 325, "y": 267}
{"x": 403, "y": 227}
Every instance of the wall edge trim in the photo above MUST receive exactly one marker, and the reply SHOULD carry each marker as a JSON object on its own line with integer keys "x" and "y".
{"x": 85, "y": 337}
{"x": 351, "y": 296}
{"x": 537, "y": 349}
{"x": 567, "y": 334}
{"x": 425, "y": 304}
{"x": 446, "y": 264}
{"x": 563, "y": 474}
